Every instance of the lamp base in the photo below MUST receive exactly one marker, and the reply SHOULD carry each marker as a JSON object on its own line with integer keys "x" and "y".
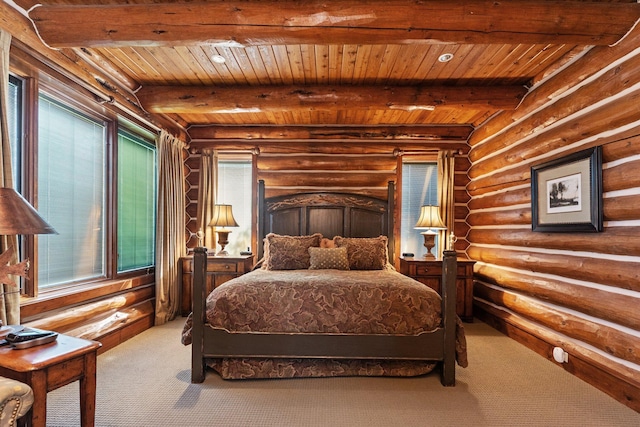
{"x": 429, "y": 243}
{"x": 223, "y": 240}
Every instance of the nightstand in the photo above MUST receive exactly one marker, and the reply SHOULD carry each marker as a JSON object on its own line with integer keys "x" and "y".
{"x": 219, "y": 270}
{"x": 429, "y": 272}
{"x": 50, "y": 366}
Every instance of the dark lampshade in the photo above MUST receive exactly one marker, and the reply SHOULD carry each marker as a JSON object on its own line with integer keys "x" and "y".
{"x": 222, "y": 218}
{"x": 17, "y": 216}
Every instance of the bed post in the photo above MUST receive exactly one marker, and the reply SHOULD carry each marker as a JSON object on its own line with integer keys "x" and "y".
{"x": 198, "y": 314}
{"x": 449, "y": 273}
{"x": 262, "y": 217}
{"x": 391, "y": 199}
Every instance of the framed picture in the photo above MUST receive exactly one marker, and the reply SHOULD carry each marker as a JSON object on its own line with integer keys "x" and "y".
{"x": 566, "y": 193}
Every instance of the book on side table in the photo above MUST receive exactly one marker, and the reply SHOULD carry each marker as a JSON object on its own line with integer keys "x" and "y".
{"x": 29, "y": 337}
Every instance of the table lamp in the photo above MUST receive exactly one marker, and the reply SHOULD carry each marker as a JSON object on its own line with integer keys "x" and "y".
{"x": 17, "y": 216}
{"x": 429, "y": 221}
{"x": 221, "y": 219}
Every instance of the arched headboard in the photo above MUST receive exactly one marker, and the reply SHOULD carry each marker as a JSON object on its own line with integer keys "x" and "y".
{"x": 331, "y": 214}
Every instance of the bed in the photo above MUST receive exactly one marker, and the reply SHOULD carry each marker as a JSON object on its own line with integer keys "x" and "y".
{"x": 309, "y": 311}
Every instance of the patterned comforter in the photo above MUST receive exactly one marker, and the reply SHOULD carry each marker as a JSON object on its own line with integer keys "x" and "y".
{"x": 324, "y": 301}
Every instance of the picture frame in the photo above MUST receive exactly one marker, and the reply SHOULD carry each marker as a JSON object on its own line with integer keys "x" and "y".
{"x": 566, "y": 193}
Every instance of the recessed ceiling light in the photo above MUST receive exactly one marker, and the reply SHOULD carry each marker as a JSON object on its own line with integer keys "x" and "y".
{"x": 218, "y": 59}
{"x": 445, "y": 57}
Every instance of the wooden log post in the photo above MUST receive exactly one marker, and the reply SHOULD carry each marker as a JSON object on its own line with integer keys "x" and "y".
{"x": 449, "y": 272}
{"x": 198, "y": 315}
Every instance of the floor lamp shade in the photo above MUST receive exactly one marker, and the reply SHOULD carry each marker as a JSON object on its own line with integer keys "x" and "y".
{"x": 430, "y": 221}
{"x": 221, "y": 219}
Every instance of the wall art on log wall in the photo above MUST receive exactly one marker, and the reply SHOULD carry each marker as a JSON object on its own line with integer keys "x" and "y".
{"x": 566, "y": 193}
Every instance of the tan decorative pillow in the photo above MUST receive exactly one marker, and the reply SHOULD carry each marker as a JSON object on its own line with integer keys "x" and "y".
{"x": 328, "y": 258}
{"x": 288, "y": 252}
{"x": 365, "y": 253}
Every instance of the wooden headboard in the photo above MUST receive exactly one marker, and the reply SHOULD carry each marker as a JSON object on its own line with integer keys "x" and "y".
{"x": 331, "y": 214}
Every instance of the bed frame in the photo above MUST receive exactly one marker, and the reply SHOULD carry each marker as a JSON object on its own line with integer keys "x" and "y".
{"x": 348, "y": 215}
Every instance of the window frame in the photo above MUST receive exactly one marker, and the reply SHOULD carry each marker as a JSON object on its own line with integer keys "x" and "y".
{"x": 106, "y": 190}
{"x": 244, "y": 158}
{"x": 20, "y": 83}
{"x": 431, "y": 159}
{"x": 39, "y": 77}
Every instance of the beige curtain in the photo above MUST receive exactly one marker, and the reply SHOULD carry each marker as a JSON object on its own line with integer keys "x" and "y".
{"x": 446, "y": 199}
{"x": 9, "y": 295}
{"x": 170, "y": 227}
{"x": 207, "y": 196}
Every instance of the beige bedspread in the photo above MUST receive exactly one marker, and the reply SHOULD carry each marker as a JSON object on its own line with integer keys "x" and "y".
{"x": 324, "y": 301}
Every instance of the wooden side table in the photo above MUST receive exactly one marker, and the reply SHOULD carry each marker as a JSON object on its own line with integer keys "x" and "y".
{"x": 50, "y": 366}
{"x": 429, "y": 272}
{"x": 219, "y": 270}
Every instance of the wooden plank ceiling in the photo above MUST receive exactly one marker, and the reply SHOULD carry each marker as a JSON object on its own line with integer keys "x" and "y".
{"x": 238, "y": 70}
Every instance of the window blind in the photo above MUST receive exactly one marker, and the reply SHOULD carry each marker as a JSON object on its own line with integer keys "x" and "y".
{"x": 71, "y": 194}
{"x": 234, "y": 188}
{"x": 136, "y": 202}
{"x": 419, "y": 187}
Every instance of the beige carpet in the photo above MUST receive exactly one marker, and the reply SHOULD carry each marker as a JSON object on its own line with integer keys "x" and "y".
{"x": 146, "y": 382}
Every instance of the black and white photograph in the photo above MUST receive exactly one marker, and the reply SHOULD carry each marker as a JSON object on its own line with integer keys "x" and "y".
{"x": 564, "y": 194}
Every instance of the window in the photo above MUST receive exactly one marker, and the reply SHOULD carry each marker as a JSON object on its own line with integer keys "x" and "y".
{"x": 136, "y": 202}
{"x": 15, "y": 127}
{"x": 71, "y": 194}
{"x": 419, "y": 187}
{"x": 234, "y": 188}
{"x": 15, "y": 114}
{"x": 89, "y": 169}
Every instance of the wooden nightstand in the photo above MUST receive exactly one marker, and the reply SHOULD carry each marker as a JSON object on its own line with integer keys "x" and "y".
{"x": 219, "y": 270}
{"x": 429, "y": 272}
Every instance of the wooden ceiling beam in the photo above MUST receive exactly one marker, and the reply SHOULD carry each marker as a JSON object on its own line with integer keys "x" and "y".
{"x": 331, "y": 147}
{"x": 249, "y": 99}
{"x": 269, "y": 22}
{"x": 270, "y": 133}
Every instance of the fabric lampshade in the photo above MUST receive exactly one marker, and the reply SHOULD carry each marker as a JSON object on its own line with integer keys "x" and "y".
{"x": 222, "y": 217}
{"x": 430, "y": 219}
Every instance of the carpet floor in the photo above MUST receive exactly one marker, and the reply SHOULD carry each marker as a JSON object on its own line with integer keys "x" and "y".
{"x": 145, "y": 382}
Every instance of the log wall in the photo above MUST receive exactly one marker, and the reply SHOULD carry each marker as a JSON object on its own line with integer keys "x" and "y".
{"x": 110, "y": 312}
{"x": 580, "y": 292}
{"x": 330, "y": 169}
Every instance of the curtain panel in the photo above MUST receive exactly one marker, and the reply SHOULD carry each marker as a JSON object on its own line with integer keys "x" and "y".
{"x": 207, "y": 196}
{"x": 446, "y": 198}
{"x": 9, "y": 295}
{"x": 170, "y": 227}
